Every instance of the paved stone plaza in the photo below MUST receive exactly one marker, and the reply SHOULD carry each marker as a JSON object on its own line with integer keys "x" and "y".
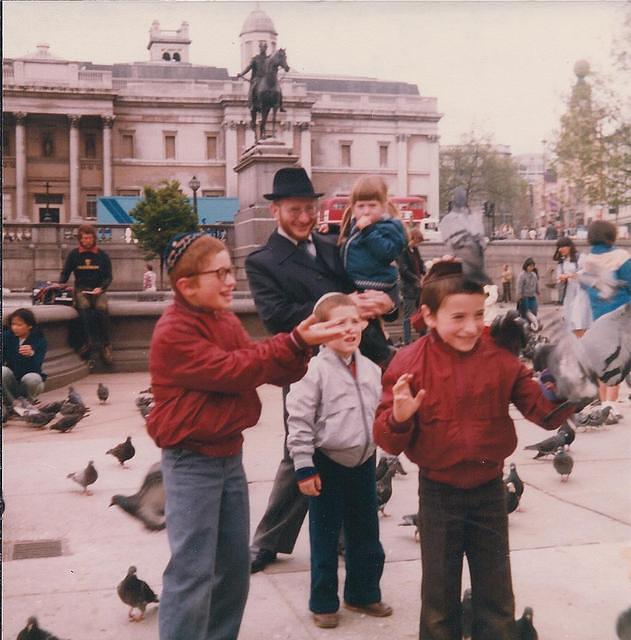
{"x": 571, "y": 549}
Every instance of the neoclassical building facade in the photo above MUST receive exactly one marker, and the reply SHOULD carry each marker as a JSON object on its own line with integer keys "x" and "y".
{"x": 74, "y": 131}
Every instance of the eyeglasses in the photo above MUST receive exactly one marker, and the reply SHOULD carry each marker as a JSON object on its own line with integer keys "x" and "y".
{"x": 222, "y": 272}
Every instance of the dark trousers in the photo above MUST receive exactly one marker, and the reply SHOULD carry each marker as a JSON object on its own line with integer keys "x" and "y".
{"x": 455, "y": 522}
{"x": 348, "y": 498}
{"x": 286, "y": 508}
{"x": 506, "y": 292}
{"x": 94, "y": 315}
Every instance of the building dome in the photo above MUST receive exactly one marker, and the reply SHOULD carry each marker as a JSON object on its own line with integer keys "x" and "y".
{"x": 258, "y": 20}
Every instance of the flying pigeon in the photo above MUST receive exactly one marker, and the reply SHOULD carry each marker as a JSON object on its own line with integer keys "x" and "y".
{"x": 467, "y": 615}
{"x": 623, "y": 625}
{"x": 136, "y": 593}
{"x": 384, "y": 486}
{"x": 515, "y": 479}
{"x": 563, "y": 463}
{"x": 411, "y": 520}
{"x": 512, "y": 499}
{"x": 32, "y": 631}
{"x": 524, "y": 627}
{"x": 86, "y": 477}
{"x": 67, "y": 422}
{"x": 123, "y": 451}
{"x": 463, "y": 234}
{"x": 510, "y": 331}
{"x": 148, "y": 504}
{"x": 102, "y": 392}
{"x": 549, "y": 445}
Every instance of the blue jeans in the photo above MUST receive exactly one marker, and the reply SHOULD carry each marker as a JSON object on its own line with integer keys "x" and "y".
{"x": 455, "y": 522}
{"x": 348, "y": 497}
{"x": 205, "y": 584}
{"x": 29, "y": 386}
{"x": 528, "y": 304}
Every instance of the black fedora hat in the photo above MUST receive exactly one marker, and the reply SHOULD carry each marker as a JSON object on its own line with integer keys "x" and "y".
{"x": 291, "y": 182}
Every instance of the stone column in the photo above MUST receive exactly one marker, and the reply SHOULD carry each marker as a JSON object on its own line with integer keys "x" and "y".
{"x": 402, "y": 164}
{"x": 74, "y": 168}
{"x": 230, "y": 143}
{"x": 108, "y": 122}
{"x": 305, "y": 145}
{"x": 433, "y": 196}
{"x": 20, "y": 168}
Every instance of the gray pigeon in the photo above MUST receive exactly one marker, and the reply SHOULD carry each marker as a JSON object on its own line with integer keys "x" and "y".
{"x": 385, "y": 461}
{"x": 563, "y": 463}
{"x": 102, "y": 392}
{"x": 32, "y": 631}
{"x": 384, "y": 486}
{"x": 51, "y": 407}
{"x": 75, "y": 398}
{"x": 136, "y": 593}
{"x": 512, "y": 499}
{"x": 467, "y": 615}
{"x": 568, "y": 432}
{"x": 86, "y": 477}
{"x": 623, "y": 625}
{"x": 515, "y": 479}
{"x": 67, "y": 422}
{"x": 148, "y": 504}
{"x": 38, "y": 419}
{"x": 549, "y": 445}
{"x": 123, "y": 451}
{"x": 524, "y": 626}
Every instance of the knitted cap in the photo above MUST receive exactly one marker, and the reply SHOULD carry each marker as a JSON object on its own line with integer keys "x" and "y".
{"x": 177, "y": 246}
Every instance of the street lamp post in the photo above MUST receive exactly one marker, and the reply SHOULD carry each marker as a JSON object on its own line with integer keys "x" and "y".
{"x": 194, "y": 184}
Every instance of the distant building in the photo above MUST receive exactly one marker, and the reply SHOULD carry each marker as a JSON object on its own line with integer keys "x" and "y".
{"x": 74, "y": 131}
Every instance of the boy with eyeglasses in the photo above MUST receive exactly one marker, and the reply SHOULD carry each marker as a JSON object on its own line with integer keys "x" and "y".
{"x": 204, "y": 373}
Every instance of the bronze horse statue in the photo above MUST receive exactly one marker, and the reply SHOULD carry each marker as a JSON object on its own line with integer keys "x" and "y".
{"x": 267, "y": 95}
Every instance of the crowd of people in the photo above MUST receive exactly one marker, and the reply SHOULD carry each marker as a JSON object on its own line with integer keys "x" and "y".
{"x": 345, "y": 390}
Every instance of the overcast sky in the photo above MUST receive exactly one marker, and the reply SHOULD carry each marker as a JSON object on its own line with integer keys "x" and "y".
{"x": 499, "y": 67}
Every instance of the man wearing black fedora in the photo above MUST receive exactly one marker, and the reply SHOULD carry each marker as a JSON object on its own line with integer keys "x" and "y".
{"x": 287, "y": 276}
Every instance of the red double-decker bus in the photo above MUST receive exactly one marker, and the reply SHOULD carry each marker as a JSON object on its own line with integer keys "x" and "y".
{"x": 413, "y": 209}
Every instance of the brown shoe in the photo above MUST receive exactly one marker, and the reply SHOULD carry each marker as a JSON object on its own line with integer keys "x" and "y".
{"x": 377, "y": 609}
{"x": 106, "y": 354}
{"x": 326, "y": 620}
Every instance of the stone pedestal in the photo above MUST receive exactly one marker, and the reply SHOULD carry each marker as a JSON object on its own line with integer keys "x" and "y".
{"x": 254, "y": 223}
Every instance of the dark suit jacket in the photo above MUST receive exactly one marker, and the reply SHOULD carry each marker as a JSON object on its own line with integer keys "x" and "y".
{"x": 286, "y": 282}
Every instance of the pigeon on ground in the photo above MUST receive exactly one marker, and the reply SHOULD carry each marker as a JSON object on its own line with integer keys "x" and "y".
{"x": 51, "y": 407}
{"x": 67, "y": 422}
{"x": 123, "y": 451}
{"x": 563, "y": 463}
{"x": 623, "y": 625}
{"x": 86, "y": 477}
{"x": 467, "y": 615}
{"x": 384, "y": 486}
{"x": 39, "y": 419}
{"x": 385, "y": 461}
{"x": 74, "y": 397}
{"x": 549, "y": 445}
{"x": 136, "y": 593}
{"x": 411, "y": 520}
{"x": 512, "y": 499}
{"x": 515, "y": 479}
{"x": 524, "y": 627}
{"x": 32, "y": 631}
{"x": 102, "y": 392}
{"x": 148, "y": 504}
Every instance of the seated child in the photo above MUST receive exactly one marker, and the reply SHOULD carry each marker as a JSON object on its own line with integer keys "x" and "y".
{"x": 23, "y": 351}
{"x": 204, "y": 374}
{"x": 330, "y": 415}
{"x": 445, "y": 403}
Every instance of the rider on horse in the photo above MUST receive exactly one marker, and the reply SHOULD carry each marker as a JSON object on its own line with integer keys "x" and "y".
{"x": 257, "y": 66}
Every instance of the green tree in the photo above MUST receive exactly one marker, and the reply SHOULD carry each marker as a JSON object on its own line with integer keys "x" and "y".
{"x": 161, "y": 214}
{"x": 487, "y": 174}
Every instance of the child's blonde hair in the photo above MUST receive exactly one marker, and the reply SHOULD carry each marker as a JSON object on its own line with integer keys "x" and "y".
{"x": 195, "y": 258}
{"x": 367, "y": 188}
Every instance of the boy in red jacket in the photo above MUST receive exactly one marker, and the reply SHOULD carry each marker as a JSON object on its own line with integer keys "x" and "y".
{"x": 204, "y": 374}
{"x": 445, "y": 403}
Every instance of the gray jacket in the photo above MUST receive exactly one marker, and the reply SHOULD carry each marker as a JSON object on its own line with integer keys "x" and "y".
{"x": 527, "y": 284}
{"x": 331, "y": 410}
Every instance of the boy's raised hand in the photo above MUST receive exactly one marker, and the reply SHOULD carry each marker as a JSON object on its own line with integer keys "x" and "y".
{"x": 314, "y": 332}
{"x": 404, "y": 404}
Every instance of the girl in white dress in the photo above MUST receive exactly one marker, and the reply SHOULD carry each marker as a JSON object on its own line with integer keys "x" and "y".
{"x": 576, "y": 307}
